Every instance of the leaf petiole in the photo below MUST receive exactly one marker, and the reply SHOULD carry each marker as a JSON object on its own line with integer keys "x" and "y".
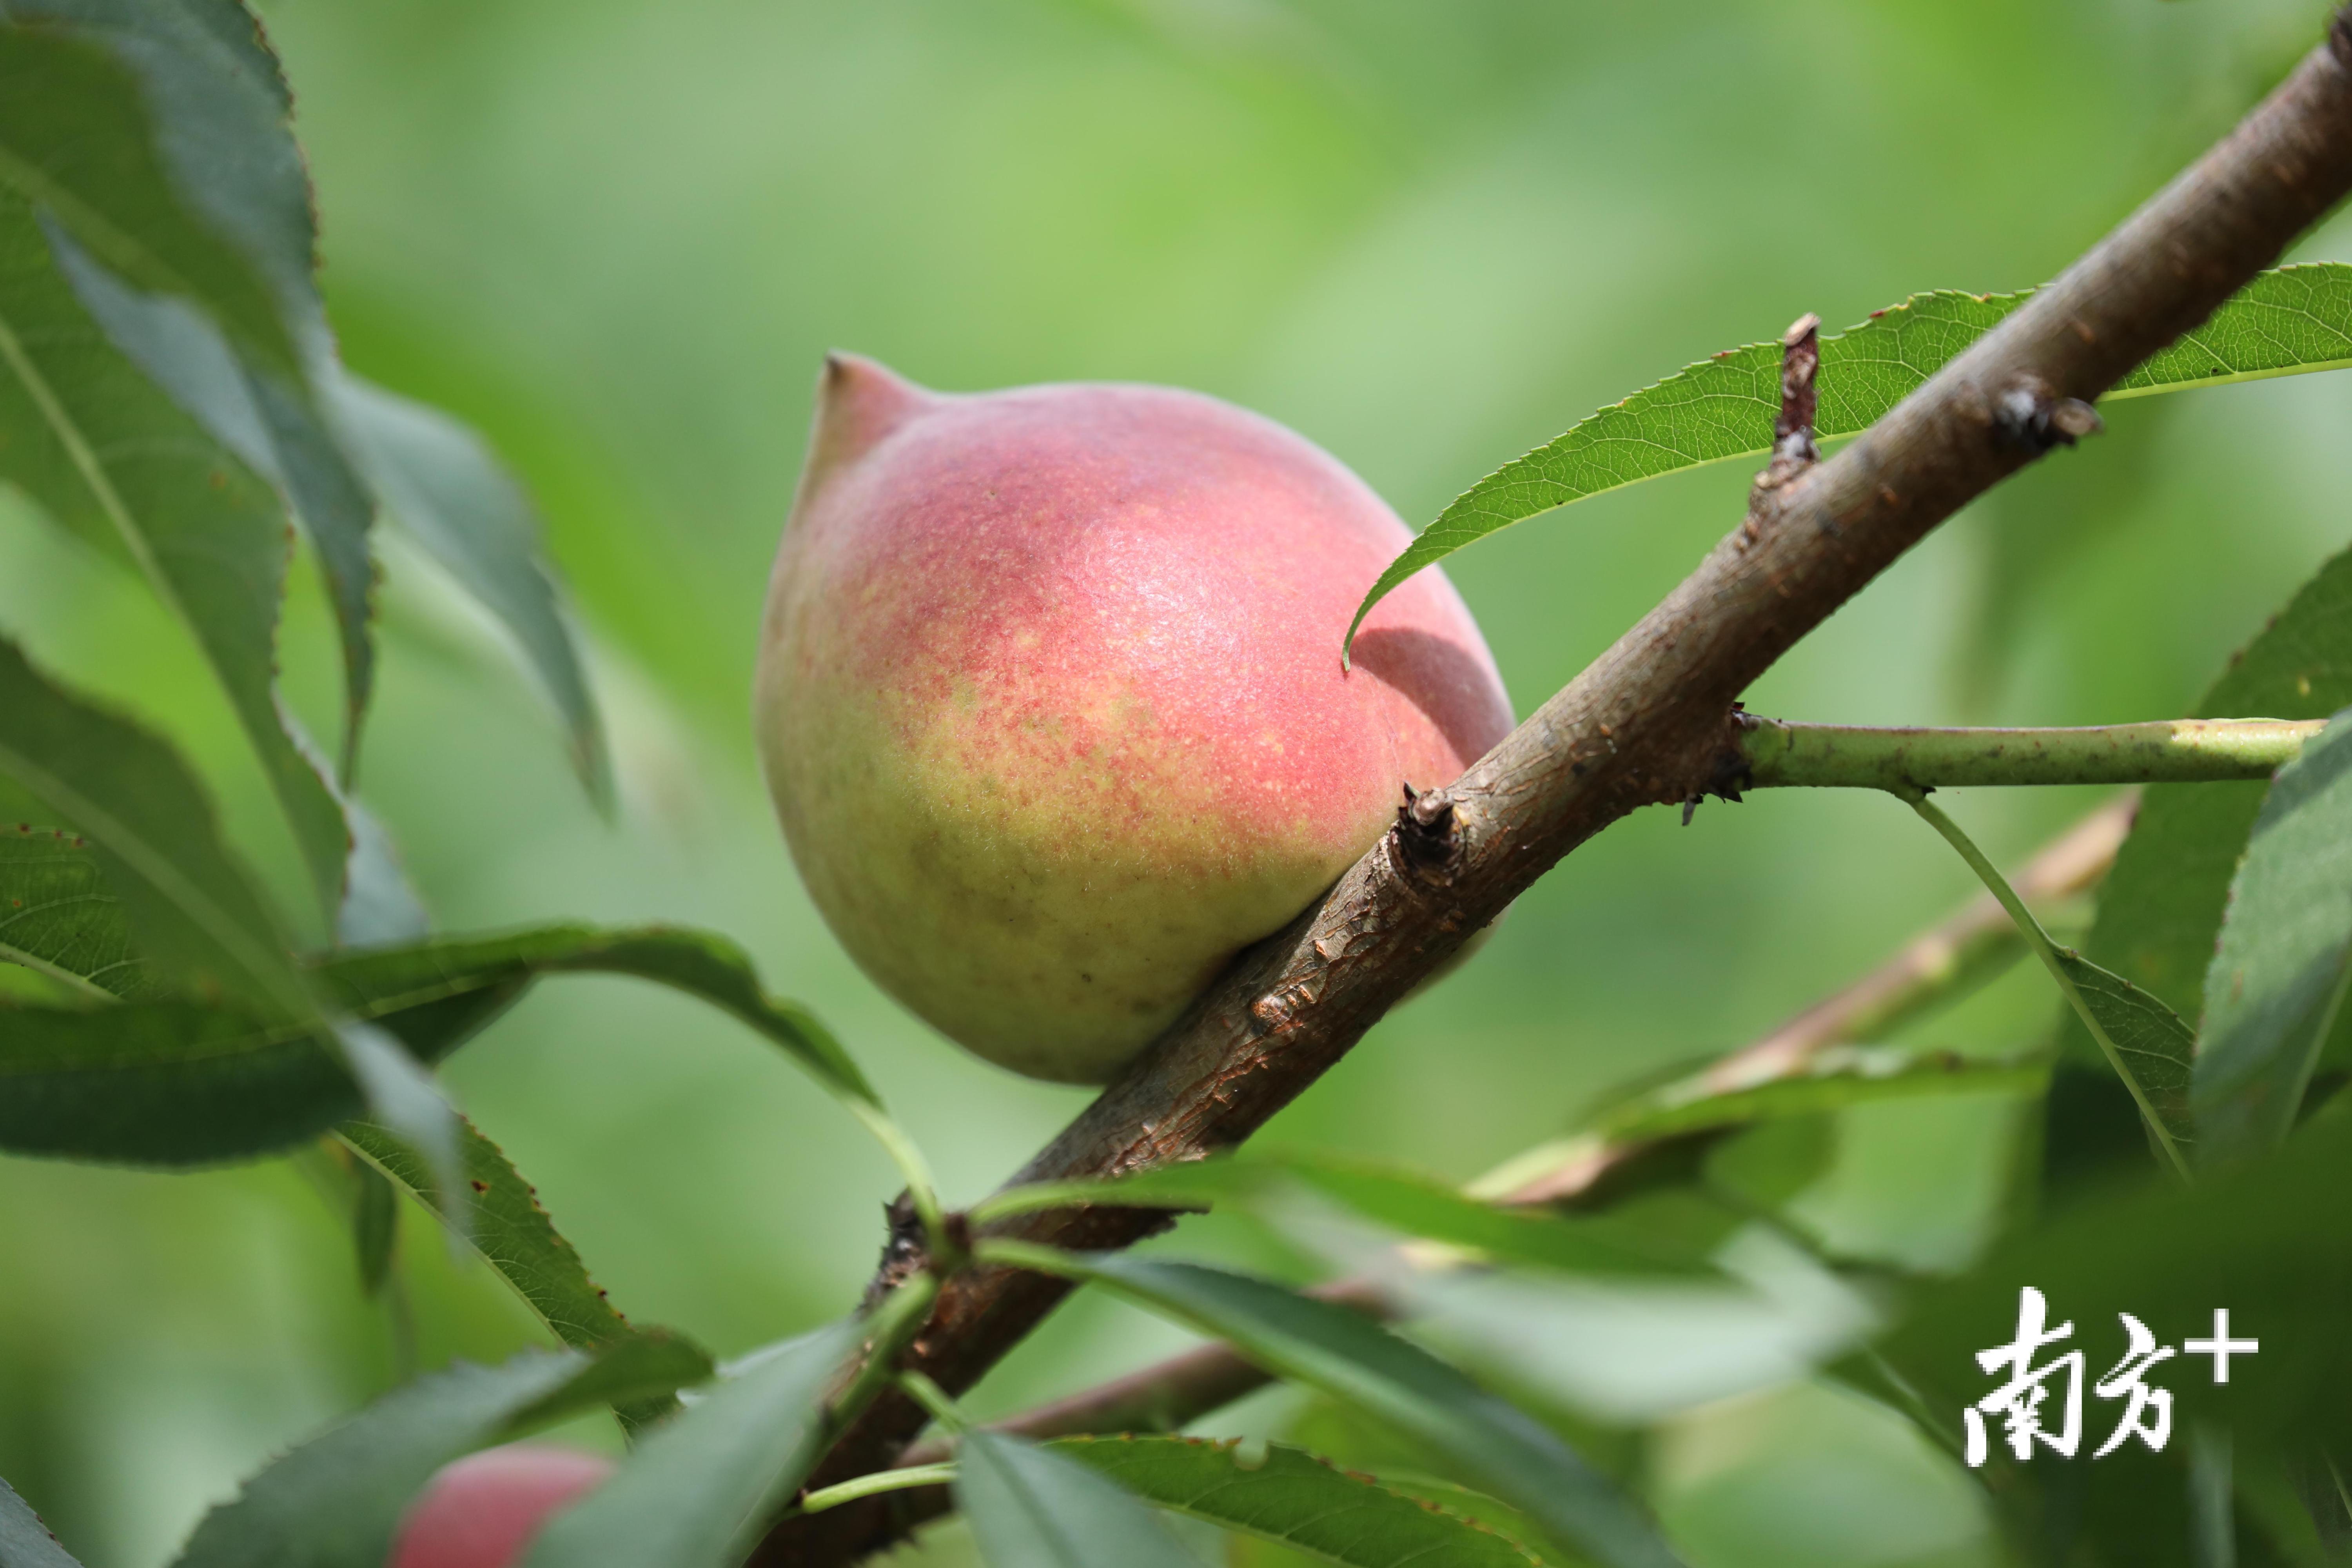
{"x": 918, "y": 1388}
{"x": 903, "y": 1479}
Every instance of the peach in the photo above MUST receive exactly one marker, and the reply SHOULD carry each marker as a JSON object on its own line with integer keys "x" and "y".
{"x": 483, "y": 1511}
{"x": 1051, "y": 703}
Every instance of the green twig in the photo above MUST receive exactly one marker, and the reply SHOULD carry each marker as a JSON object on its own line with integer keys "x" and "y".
{"x": 903, "y": 1478}
{"x": 1777, "y": 755}
{"x": 2039, "y": 940}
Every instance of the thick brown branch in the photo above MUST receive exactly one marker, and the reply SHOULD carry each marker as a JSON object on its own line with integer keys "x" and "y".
{"x": 1642, "y": 723}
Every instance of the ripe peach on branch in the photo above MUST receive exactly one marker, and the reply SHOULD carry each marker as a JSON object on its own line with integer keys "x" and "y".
{"x": 1051, "y": 701}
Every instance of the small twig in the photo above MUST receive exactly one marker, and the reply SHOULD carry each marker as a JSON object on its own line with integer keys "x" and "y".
{"x": 1770, "y": 754}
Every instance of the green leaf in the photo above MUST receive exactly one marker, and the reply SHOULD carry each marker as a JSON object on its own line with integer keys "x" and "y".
{"x": 164, "y": 1083}
{"x": 152, "y": 838}
{"x": 274, "y": 426}
{"x": 515, "y": 1234}
{"x": 1518, "y": 1460}
{"x": 24, "y": 1540}
{"x": 189, "y": 906}
{"x": 170, "y": 1081}
{"x": 2278, "y": 976}
{"x": 2285, "y": 322}
{"x": 1827, "y": 1080}
{"x": 59, "y": 916}
{"x": 400, "y": 1092}
{"x": 96, "y": 444}
{"x": 1033, "y": 1508}
{"x": 2160, "y": 908}
{"x": 209, "y": 98}
{"x": 1291, "y": 1497}
{"x": 446, "y": 488}
{"x": 1404, "y": 1200}
{"x": 2156, "y": 1046}
{"x": 375, "y": 1220}
{"x": 74, "y": 137}
{"x": 337, "y": 1500}
{"x": 491, "y": 970}
{"x": 698, "y": 1489}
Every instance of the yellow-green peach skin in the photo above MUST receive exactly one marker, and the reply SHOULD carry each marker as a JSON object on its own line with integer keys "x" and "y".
{"x": 1051, "y": 703}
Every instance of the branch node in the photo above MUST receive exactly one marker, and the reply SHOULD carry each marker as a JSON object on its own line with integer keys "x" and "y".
{"x": 904, "y": 1254}
{"x": 1424, "y": 830}
{"x": 1728, "y": 770}
{"x": 2027, "y": 416}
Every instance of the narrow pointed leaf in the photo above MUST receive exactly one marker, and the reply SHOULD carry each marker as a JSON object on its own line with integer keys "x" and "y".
{"x": 696, "y": 1491}
{"x": 170, "y": 1081}
{"x": 2156, "y": 1044}
{"x": 379, "y": 906}
{"x": 452, "y": 495}
{"x": 108, "y": 456}
{"x": 165, "y": 1083}
{"x": 75, "y": 138}
{"x": 2286, "y": 321}
{"x": 337, "y": 1500}
{"x": 24, "y": 1540}
{"x": 389, "y": 982}
{"x": 1829, "y": 1080}
{"x": 1351, "y": 1359}
{"x": 510, "y": 1228}
{"x": 273, "y": 426}
{"x": 1292, "y": 1497}
{"x": 1033, "y": 1508}
{"x": 59, "y": 916}
{"x": 401, "y": 1094}
{"x": 2160, "y": 909}
{"x": 2277, "y": 979}
{"x": 375, "y": 1222}
{"x": 211, "y": 101}
{"x": 1405, "y": 1201}
{"x": 136, "y": 1081}
{"x": 152, "y": 837}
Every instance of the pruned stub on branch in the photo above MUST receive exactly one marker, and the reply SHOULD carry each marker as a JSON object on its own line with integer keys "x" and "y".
{"x": 1646, "y": 723}
{"x": 1792, "y": 430}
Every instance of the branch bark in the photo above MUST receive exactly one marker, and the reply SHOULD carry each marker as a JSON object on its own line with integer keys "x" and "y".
{"x": 1642, "y": 724}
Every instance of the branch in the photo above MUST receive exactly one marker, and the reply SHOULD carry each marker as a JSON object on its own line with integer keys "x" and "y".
{"x": 1935, "y": 966}
{"x": 1641, "y": 725}
{"x": 1770, "y": 753}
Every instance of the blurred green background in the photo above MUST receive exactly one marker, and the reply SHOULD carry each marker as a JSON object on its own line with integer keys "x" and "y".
{"x": 619, "y": 236}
